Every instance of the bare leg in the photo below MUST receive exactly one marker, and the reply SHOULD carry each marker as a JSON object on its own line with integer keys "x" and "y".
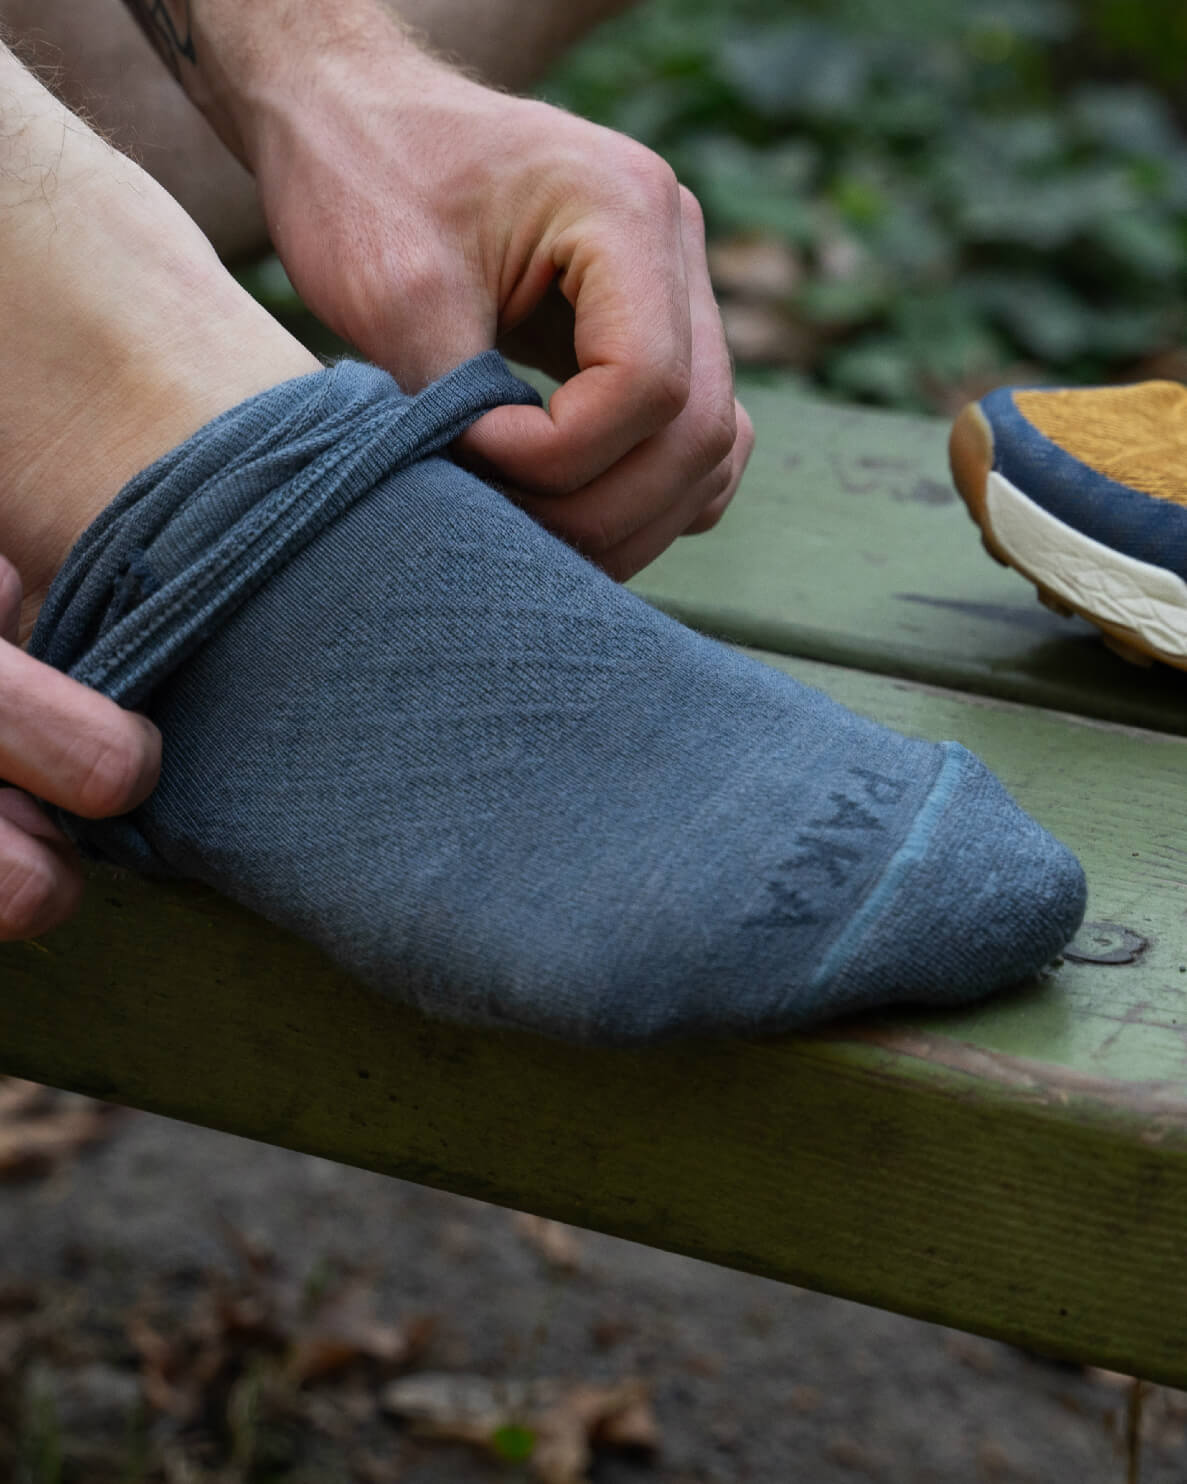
{"x": 99, "y": 64}
{"x": 508, "y": 42}
{"x": 93, "y": 55}
{"x": 123, "y": 334}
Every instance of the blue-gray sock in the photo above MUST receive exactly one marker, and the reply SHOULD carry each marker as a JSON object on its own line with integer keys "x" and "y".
{"x": 407, "y": 723}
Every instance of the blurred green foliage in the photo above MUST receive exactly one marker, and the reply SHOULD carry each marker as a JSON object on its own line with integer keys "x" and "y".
{"x": 1148, "y": 35}
{"x": 972, "y": 190}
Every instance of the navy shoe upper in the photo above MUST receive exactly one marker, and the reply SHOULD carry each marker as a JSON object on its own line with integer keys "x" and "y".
{"x": 1127, "y": 520}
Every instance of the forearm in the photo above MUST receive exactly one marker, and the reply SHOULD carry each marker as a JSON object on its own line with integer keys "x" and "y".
{"x": 233, "y": 59}
{"x": 422, "y": 216}
{"x": 508, "y": 42}
{"x": 222, "y": 51}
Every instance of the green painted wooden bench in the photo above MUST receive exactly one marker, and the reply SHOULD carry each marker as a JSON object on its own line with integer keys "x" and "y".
{"x": 1019, "y": 1170}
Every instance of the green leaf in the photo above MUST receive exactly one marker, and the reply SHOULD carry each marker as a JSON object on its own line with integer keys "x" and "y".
{"x": 858, "y": 199}
{"x": 1144, "y": 242}
{"x": 1043, "y": 213}
{"x": 839, "y": 303}
{"x": 1045, "y": 318}
{"x": 806, "y": 70}
{"x": 877, "y": 369}
{"x": 1130, "y": 120}
{"x": 513, "y": 1443}
{"x": 911, "y": 238}
{"x": 745, "y": 189}
{"x": 1033, "y": 20}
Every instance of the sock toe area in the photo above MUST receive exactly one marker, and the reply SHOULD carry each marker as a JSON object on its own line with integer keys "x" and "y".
{"x": 979, "y": 897}
{"x": 407, "y": 723}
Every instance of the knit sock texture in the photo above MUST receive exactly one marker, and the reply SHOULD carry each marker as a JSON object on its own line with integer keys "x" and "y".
{"x": 405, "y": 722}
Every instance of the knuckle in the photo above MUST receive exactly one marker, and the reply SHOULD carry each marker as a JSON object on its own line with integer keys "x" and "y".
{"x": 649, "y": 175}
{"x": 716, "y": 437}
{"x": 595, "y": 533}
{"x": 705, "y": 522}
{"x": 720, "y": 480}
{"x": 713, "y": 510}
{"x": 620, "y": 568}
{"x": 721, "y": 436}
{"x": 666, "y": 391}
{"x": 11, "y": 588}
{"x": 692, "y": 212}
{"x": 109, "y": 777}
{"x": 28, "y": 897}
{"x": 745, "y": 433}
{"x": 605, "y": 525}
{"x": 554, "y": 474}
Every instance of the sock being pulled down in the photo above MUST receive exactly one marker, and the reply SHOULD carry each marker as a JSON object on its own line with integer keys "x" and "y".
{"x": 407, "y": 723}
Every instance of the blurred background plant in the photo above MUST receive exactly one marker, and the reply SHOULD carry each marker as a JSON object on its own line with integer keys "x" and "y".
{"x": 909, "y": 204}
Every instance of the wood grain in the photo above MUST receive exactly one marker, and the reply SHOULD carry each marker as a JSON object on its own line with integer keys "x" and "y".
{"x": 847, "y": 543}
{"x": 1019, "y": 1170}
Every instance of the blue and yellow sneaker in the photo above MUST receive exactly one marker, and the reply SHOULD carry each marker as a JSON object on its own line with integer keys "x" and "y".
{"x": 1085, "y": 493}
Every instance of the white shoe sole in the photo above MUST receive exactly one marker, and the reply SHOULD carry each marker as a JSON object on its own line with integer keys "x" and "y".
{"x": 1140, "y": 609}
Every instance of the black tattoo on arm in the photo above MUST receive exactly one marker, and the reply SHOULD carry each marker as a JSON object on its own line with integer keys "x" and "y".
{"x": 166, "y": 23}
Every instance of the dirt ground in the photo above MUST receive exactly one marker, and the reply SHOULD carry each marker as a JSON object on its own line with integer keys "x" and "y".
{"x": 109, "y": 1256}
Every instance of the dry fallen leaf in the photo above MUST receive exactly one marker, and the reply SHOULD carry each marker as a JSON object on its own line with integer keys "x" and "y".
{"x": 18, "y": 1096}
{"x": 40, "y": 1126}
{"x": 164, "y": 1381}
{"x": 369, "y": 1468}
{"x": 558, "y": 1244}
{"x": 754, "y": 267}
{"x": 562, "y": 1422}
{"x": 766, "y": 334}
{"x": 271, "y": 1315}
{"x": 457, "y": 1406}
{"x": 626, "y": 1420}
{"x": 972, "y": 1351}
{"x": 343, "y": 1331}
{"x": 1114, "y": 1379}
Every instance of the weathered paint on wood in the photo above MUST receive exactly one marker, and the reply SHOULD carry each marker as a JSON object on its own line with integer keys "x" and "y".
{"x": 847, "y": 544}
{"x": 1114, "y": 795}
{"x": 1018, "y": 1170}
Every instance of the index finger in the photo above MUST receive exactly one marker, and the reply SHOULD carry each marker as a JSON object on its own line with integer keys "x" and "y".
{"x": 625, "y": 276}
{"x": 69, "y": 745}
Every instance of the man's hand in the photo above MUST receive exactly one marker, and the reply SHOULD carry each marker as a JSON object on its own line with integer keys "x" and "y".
{"x": 67, "y": 745}
{"x": 423, "y": 216}
{"x": 424, "y": 229}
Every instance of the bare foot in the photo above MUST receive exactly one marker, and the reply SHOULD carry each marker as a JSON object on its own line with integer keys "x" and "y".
{"x": 123, "y": 334}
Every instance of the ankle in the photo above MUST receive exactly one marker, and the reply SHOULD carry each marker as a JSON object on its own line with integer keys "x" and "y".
{"x": 123, "y": 335}
{"x": 132, "y": 392}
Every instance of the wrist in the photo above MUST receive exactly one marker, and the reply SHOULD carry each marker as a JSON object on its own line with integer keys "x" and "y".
{"x": 354, "y": 126}
{"x": 282, "y": 61}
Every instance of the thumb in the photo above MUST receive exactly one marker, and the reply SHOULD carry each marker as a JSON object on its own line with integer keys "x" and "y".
{"x": 500, "y": 445}
{"x": 497, "y": 444}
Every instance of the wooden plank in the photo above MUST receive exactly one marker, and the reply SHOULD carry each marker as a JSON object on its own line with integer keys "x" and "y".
{"x": 847, "y": 544}
{"x": 1018, "y": 1170}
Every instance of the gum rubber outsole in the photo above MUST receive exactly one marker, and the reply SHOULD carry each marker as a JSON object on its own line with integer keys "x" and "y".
{"x": 970, "y": 452}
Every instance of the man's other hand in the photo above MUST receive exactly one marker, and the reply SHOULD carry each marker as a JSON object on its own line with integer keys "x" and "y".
{"x": 69, "y": 746}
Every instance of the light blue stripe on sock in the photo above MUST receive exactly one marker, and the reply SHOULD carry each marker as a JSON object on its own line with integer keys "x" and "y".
{"x": 909, "y": 853}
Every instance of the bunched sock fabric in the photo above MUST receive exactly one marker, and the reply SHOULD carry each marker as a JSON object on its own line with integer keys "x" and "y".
{"x": 405, "y": 722}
